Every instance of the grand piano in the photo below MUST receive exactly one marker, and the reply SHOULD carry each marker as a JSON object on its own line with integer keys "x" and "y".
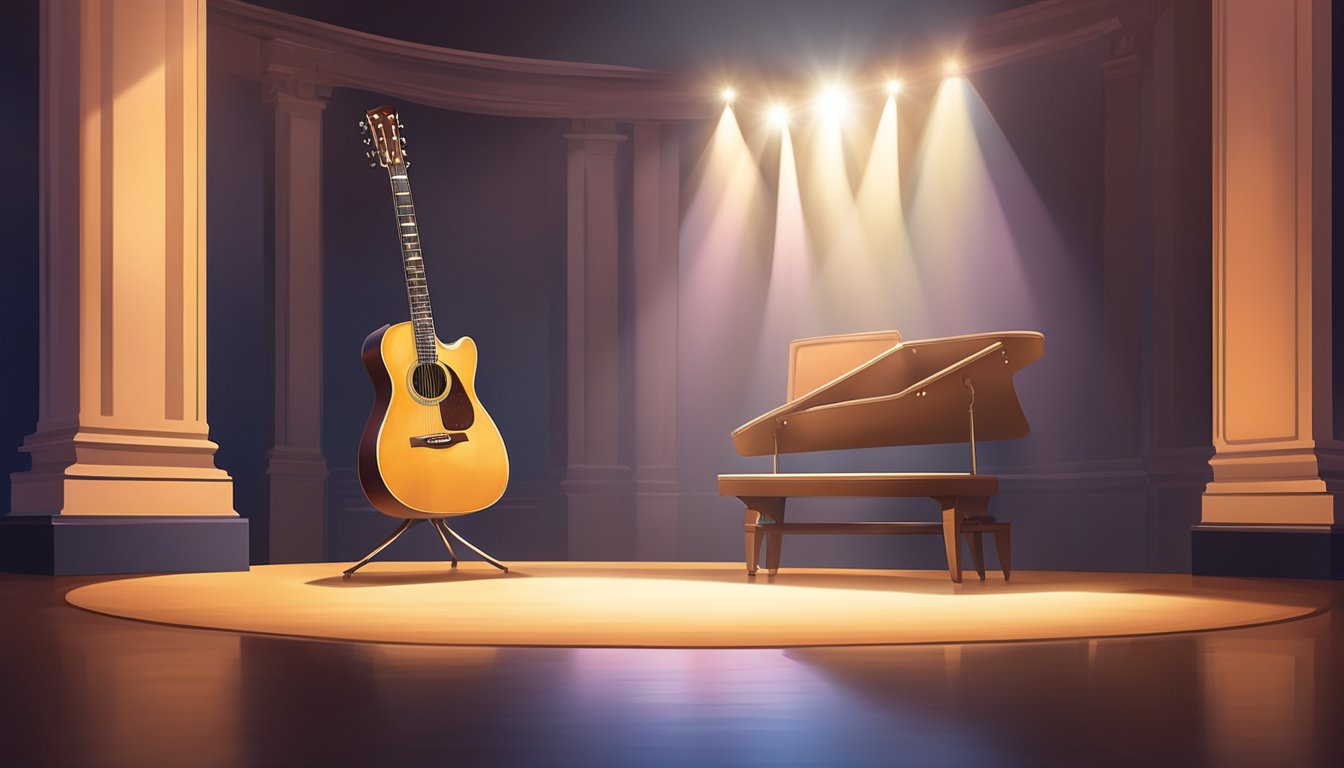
{"x": 870, "y": 390}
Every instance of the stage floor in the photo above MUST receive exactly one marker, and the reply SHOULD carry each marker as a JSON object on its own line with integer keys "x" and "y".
{"x": 689, "y": 605}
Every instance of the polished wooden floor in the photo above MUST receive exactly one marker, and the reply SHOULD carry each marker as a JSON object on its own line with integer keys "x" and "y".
{"x": 77, "y": 689}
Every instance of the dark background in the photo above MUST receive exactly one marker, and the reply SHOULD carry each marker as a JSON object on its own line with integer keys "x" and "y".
{"x": 491, "y": 197}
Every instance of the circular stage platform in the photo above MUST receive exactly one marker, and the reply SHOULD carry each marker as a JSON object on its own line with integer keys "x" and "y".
{"x": 689, "y": 605}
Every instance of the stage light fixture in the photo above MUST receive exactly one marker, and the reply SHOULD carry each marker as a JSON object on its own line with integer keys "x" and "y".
{"x": 893, "y": 87}
{"x": 952, "y": 68}
{"x": 729, "y": 95}
{"x": 779, "y": 116}
{"x": 832, "y": 103}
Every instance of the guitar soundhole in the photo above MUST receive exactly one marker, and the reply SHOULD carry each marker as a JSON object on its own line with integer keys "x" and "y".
{"x": 429, "y": 382}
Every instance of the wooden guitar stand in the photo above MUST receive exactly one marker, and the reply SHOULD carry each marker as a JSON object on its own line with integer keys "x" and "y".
{"x": 441, "y": 527}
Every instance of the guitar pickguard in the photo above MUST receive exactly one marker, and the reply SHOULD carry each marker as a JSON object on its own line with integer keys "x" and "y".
{"x": 456, "y": 409}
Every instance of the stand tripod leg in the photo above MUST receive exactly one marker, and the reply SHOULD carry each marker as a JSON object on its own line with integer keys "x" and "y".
{"x": 405, "y": 526}
{"x": 439, "y": 526}
{"x": 473, "y": 548}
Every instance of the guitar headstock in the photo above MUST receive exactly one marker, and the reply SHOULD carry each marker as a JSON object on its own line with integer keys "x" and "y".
{"x": 383, "y": 128}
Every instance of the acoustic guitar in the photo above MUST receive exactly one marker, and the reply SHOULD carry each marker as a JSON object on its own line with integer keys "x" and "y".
{"x": 429, "y": 450}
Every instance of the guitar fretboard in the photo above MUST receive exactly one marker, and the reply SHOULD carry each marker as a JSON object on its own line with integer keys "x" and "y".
{"x": 417, "y": 288}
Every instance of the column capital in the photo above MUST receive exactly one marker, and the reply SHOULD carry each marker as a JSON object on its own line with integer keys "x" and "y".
{"x": 290, "y": 79}
{"x": 292, "y": 92}
{"x": 1130, "y": 49}
{"x": 595, "y": 136}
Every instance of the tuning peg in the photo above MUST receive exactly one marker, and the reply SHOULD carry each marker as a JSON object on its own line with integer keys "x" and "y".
{"x": 408, "y": 163}
{"x": 367, "y": 142}
{"x": 402, "y": 138}
{"x": 373, "y": 165}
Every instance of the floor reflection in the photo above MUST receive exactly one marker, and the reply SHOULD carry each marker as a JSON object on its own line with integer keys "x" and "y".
{"x": 86, "y": 690}
{"x": 1260, "y": 699}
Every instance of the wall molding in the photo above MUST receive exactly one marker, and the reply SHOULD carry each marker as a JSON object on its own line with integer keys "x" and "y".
{"x": 464, "y": 81}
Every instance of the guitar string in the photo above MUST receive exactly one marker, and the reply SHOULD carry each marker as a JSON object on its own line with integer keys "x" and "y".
{"x": 422, "y": 376}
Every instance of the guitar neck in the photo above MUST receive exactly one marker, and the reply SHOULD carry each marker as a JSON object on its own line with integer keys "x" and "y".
{"x": 413, "y": 264}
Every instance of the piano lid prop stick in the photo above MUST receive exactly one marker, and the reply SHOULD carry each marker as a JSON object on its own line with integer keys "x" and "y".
{"x": 774, "y": 459}
{"x": 970, "y": 409}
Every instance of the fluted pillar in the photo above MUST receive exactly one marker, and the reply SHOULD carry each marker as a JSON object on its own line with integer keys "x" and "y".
{"x": 1273, "y": 507}
{"x": 597, "y": 483}
{"x": 657, "y": 217}
{"x": 296, "y": 469}
{"x": 1123, "y": 246}
{"x": 123, "y": 475}
{"x": 1180, "y": 342}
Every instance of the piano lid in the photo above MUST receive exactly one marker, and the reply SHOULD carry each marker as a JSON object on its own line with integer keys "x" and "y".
{"x": 911, "y": 394}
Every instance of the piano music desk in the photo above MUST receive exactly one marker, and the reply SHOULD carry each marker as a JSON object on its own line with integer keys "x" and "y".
{"x": 963, "y": 498}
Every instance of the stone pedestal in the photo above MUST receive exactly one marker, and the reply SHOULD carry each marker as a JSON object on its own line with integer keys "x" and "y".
{"x": 123, "y": 476}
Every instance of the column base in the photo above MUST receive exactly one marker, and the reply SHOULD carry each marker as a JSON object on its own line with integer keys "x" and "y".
{"x": 657, "y": 514}
{"x": 598, "y": 510}
{"x": 70, "y": 545}
{"x": 1296, "y": 552}
{"x": 297, "y": 511}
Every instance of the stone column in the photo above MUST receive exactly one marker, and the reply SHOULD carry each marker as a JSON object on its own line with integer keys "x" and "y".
{"x": 296, "y": 470}
{"x": 1273, "y": 507}
{"x": 1124, "y": 243}
{"x": 123, "y": 476}
{"x": 1179, "y": 400}
{"x": 596, "y": 484}
{"x": 657, "y": 216}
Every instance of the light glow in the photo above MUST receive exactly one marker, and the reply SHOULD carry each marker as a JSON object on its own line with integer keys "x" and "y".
{"x": 952, "y": 67}
{"x": 893, "y": 87}
{"x": 778, "y": 115}
{"x": 728, "y": 95}
{"x": 833, "y": 103}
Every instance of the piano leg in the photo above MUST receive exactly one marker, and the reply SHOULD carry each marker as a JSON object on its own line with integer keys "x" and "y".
{"x": 976, "y": 540}
{"x": 774, "y": 542}
{"x": 767, "y": 510}
{"x": 1003, "y": 546}
{"x": 753, "y": 539}
{"x": 952, "y": 537}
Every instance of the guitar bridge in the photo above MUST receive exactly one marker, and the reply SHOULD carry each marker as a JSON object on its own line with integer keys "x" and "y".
{"x": 439, "y": 440}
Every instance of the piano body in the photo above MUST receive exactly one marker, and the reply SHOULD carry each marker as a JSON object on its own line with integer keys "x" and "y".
{"x": 871, "y": 390}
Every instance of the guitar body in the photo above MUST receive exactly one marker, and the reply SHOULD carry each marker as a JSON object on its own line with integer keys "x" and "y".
{"x": 428, "y": 451}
